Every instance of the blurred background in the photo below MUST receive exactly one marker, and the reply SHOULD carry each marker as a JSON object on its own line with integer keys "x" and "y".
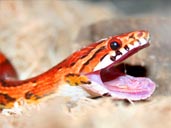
{"x": 37, "y": 34}
{"x": 33, "y": 26}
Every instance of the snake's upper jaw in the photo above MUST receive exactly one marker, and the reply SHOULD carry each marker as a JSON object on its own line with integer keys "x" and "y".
{"x": 130, "y": 45}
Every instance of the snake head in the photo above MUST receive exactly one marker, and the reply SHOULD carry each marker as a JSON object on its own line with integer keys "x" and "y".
{"x": 118, "y": 48}
{"x": 122, "y": 86}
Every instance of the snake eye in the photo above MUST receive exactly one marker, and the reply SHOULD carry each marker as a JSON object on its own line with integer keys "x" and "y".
{"x": 115, "y": 45}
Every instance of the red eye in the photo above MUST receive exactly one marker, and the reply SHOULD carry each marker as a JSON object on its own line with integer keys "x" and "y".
{"x": 115, "y": 45}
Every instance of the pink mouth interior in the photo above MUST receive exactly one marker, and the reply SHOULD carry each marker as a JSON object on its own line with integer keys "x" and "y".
{"x": 122, "y": 86}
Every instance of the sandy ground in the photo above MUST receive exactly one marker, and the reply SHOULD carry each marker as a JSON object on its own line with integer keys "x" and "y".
{"x": 35, "y": 35}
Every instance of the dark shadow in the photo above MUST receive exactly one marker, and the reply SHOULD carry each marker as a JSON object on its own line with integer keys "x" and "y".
{"x": 133, "y": 70}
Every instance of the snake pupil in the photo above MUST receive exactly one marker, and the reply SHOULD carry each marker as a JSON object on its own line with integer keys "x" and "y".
{"x": 114, "y": 45}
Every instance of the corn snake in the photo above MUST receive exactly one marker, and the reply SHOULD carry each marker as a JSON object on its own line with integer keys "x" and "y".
{"x": 82, "y": 71}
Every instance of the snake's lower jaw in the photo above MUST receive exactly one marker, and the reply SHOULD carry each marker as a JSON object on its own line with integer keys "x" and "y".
{"x": 132, "y": 88}
{"x": 123, "y": 86}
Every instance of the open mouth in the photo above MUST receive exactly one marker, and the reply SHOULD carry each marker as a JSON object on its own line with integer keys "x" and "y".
{"x": 124, "y": 86}
{"x": 120, "y": 85}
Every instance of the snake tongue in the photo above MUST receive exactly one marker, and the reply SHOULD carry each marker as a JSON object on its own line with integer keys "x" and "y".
{"x": 122, "y": 86}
